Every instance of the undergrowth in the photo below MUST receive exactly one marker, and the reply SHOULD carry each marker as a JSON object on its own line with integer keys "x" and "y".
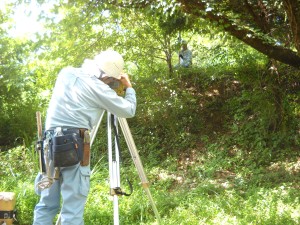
{"x": 192, "y": 190}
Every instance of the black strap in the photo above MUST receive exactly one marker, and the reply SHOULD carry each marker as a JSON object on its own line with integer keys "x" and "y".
{"x": 117, "y": 136}
{"x": 7, "y": 214}
{"x": 66, "y": 130}
{"x": 40, "y": 147}
{"x": 118, "y": 190}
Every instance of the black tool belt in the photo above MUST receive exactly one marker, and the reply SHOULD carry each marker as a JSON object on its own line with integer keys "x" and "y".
{"x": 66, "y": 149}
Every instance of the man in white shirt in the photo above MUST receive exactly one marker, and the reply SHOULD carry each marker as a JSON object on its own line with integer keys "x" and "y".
{"x": 185, "y": 56}
{"x": 79, "y": 98}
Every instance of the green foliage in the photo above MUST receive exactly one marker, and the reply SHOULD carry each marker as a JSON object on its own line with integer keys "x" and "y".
{"x": 18, "y": 170}
{"x": 18, "y": 94}
{"x": 184, "y": 193}
{"x": 175, "y": 105}
{"x": 18, "y": 100}
{"x": 264, "y": 123}
{"x": 219, "y": 141}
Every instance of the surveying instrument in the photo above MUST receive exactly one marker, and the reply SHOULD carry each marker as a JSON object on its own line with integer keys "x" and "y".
{"x": 114, "y": 161}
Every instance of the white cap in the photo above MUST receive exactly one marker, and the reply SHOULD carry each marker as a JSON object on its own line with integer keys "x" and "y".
{"x": 110, "y": 62}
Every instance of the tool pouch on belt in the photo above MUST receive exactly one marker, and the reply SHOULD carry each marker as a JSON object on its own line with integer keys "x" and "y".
{"x": 67, "y": 150}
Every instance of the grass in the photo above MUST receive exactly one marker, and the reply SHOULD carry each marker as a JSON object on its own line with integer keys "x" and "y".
{"x": 184, "y": 193}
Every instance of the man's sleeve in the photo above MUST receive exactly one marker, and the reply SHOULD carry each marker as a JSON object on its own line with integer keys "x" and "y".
{"x": 104, "y": 97}
{"x": 130, "y": 95}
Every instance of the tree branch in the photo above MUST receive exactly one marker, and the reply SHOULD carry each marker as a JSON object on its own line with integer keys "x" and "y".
{"x": 284, "y": 55}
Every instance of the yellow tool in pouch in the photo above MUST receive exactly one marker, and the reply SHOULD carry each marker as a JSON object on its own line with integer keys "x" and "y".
{"x": 7, "y": 207}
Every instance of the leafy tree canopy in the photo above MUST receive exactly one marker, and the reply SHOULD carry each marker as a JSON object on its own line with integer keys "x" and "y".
{"x": 271, "y": 27}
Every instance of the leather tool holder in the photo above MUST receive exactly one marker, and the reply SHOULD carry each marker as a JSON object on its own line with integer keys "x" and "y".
{"x": 86, "y": 149}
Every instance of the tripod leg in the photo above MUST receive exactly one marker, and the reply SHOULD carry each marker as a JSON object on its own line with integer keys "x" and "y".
{"x": 114, "y": 167}
{"x": 95, "y": 129}
{"x": 138, "y": 164}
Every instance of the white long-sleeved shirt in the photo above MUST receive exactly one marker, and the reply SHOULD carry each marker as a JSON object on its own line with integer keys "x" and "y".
{"x": 186, "y": 59}
{"x": 79, "y": 99}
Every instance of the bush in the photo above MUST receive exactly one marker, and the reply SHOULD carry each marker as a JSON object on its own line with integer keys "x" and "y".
{"x": 18, "y": 170}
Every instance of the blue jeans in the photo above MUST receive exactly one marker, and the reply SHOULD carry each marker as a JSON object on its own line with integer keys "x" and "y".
{"x": 73, "y": 186}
